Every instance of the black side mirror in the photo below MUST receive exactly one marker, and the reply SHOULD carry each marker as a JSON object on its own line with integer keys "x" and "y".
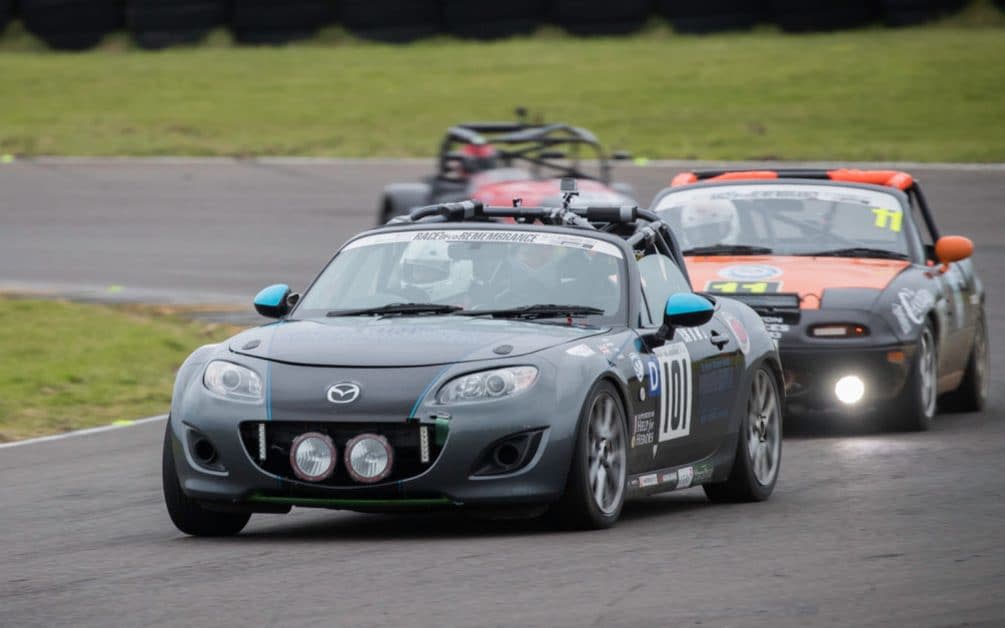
{"x": 273, "y": 302}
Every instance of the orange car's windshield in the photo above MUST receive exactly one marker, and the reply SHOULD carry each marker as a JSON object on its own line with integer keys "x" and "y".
{"x": 787, "y": 219}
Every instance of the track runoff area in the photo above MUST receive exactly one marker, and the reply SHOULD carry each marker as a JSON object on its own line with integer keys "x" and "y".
{"x": 864, "y": 528}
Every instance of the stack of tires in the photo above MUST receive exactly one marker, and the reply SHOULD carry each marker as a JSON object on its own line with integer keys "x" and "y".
{"x": 800, "y": 16}
{"x": 395, "y": 21}
{"x": 601, "y": 17}
{"x": 910, "y": 12}
{"x": 71, "y": 24}
{"x": 272, "y": 22}
{"x": 493, "y": 19}
{"x": 710, "y": 16}
{"x": 157, "y": 24}
{"x": 5, "y": 13}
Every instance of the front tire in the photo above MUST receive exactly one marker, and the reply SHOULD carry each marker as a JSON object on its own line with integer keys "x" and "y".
{"x": 595, "y": 491}
{"x": 915, "y": 409}
{"x": 759, "y": 450}
{"x": 186, "y": 514}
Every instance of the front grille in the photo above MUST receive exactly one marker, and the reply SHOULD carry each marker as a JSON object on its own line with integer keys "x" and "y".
{"x": 279, "y": 436}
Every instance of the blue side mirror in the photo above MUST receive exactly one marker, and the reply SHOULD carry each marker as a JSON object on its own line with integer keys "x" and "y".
{"x": 686, "y": 309}
{"x": 272, "y": 302}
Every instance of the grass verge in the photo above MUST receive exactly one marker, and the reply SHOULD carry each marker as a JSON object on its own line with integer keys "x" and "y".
{"x": 68, "y": 366}
{"x": 931, "y": 93}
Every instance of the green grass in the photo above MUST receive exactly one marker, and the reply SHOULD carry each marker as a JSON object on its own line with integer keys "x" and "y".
{"x": 68, "y": 366}
{"x": 933, "y": 93}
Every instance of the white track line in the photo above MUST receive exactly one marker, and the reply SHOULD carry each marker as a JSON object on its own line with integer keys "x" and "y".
{"x": 93, "y": 430}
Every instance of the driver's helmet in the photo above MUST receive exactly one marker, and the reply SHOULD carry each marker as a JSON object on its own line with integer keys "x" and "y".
{"x": 427, "y": 266}
{"x": 479, "y": 158}
{"x": 709, "y": 222}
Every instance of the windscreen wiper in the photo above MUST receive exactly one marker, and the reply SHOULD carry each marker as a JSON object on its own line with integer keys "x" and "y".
{"x": 540, "y": 310}
{"x": 728, "y": 249}
{"x": 403, "y": 309}
{"x": 857, "y": 251}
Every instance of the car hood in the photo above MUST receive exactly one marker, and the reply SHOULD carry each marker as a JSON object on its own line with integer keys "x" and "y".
{"x": 808, "y": 277}
{"x": 365, "y": 341}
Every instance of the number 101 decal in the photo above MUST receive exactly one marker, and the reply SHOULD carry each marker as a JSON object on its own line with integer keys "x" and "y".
{"x": 675, "y": 380}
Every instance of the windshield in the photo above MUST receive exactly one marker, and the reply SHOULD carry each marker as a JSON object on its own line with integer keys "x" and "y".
{"x": 786, "y": 219}
{"x": 476, "y": 270}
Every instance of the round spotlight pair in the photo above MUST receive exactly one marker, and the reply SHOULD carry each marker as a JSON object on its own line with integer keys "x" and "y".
{"x": 368, "y": 457}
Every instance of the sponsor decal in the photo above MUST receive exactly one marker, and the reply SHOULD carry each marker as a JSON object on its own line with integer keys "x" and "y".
{"x": 633, "y": 483}
{"x": 772, "y": 319}
{"x": 776, "y": 330}
{"x": 911, "y": 308}
{"x": 702, "y": 472}
{"x": 648, "y": 480}
{"x": 691, "y": 334}
{"x": 749, "y": 272}
{"x": 490, "y": 235}
{"x": 684, "y": 477}
{"x": 643, "y": 428}
{"x": 580, "y": 351}
{"x": 638, "y": 366}
{"x": 654, "y": 377}
{"x": 739, "y": 331}
{"x": 746, "y": 287}
{"x": 675, "y": 402}
{"x": 668, "y": 478}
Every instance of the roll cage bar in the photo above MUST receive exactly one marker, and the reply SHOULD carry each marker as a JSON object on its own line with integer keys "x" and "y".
{"x": 887, "y": 178}
{"x": 531, "y": 143}
{"x": 641, "y": 229}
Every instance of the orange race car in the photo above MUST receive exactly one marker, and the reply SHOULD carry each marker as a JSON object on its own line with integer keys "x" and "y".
{"x": 875, "y": 313}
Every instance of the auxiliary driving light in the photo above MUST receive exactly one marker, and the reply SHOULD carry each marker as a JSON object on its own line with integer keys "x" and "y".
{"x": 312, "y": 456}
{"x": 368, "y": 458}
{"x": 850, "y": 389}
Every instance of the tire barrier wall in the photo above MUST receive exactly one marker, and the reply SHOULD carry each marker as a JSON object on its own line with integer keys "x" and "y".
{"x": 71, "y": 24}
{"x": 81, "y": 24}
{"x": 158, "y": 24}
{"x": 272, "y": 22}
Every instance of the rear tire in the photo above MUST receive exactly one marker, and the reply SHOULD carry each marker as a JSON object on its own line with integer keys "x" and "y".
{"x": 595, "y": 491}
{"x": 972, "y": 395}
{"x": 186, "y": 514}
{"x": 915, "y": 408}
{"x": 759, "y": 447}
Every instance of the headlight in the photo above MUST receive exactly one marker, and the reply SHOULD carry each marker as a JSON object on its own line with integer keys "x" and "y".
{"x": 488, "y": 385}
{"x": 230, "y": 380}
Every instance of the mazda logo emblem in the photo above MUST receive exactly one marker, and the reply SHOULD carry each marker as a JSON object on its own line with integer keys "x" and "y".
{"x": 343, "y": 393}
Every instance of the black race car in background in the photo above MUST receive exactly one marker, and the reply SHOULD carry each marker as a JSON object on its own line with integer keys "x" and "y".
{"x": 875, "y": 312}
{"x": 497, "y": 162}
{"x": 456, "y": 359}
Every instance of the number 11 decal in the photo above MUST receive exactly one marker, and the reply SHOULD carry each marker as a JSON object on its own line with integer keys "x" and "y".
{"x": 675, "y": 400}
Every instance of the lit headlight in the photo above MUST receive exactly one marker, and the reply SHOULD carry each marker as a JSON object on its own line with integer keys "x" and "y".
{"x": 488, "y": 385}
{"x": 231, "y": 380}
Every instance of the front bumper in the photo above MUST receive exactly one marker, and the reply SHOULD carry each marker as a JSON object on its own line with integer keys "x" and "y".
{"x": 811, "y": 374}
{"x": 454, "y": 474}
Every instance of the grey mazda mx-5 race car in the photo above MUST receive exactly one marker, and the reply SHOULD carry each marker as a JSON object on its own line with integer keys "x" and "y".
{"x": 530, "y": 359}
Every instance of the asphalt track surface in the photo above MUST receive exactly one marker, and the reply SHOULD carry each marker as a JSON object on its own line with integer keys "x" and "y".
{"x": 864, "y": 528}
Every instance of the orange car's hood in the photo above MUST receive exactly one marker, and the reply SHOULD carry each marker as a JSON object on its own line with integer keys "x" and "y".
{"x": 806, "y": 276}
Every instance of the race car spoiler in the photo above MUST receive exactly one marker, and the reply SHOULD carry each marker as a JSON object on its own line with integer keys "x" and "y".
{"x": 889, "y": 178}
